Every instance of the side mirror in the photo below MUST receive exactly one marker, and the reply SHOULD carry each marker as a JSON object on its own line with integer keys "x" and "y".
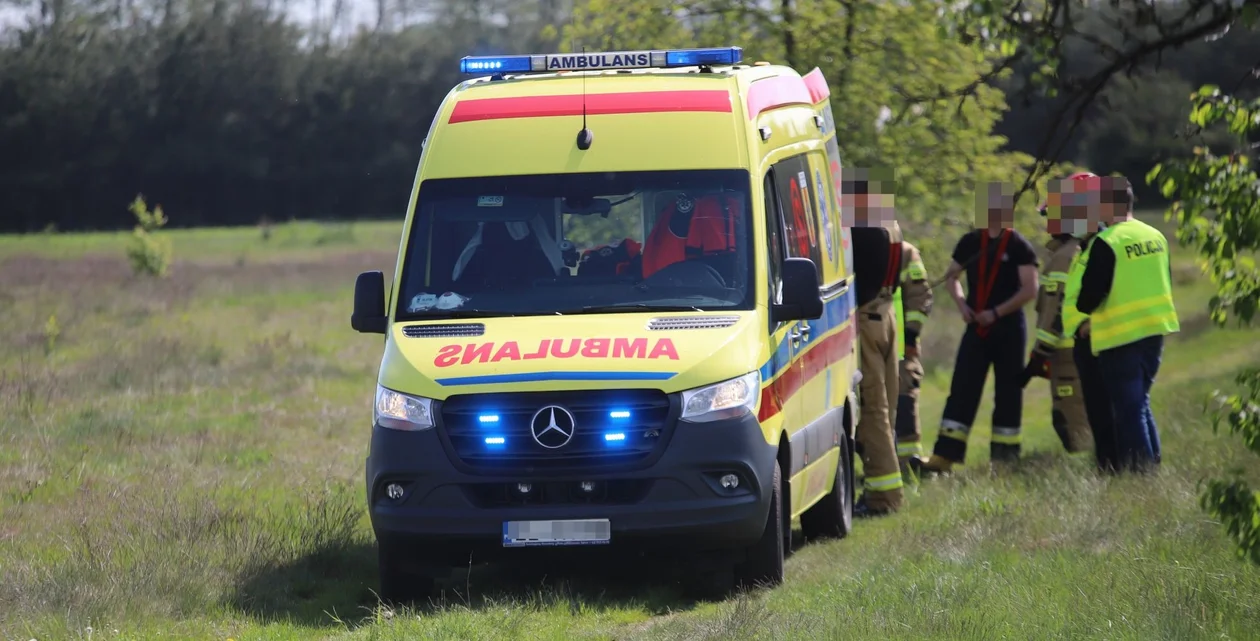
{"x": 369, "y": 304}
{"x": 801, "y": 298}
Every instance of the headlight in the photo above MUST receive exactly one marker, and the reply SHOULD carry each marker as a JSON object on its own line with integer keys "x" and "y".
{"x": 401, "y": 412}
{"x": 728, "y": 399}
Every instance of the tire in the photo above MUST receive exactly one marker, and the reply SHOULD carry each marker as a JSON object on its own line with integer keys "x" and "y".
{"x": 763, "y": 562}
{"x": 832, "y": 517}
{"x": 400, "y": 582}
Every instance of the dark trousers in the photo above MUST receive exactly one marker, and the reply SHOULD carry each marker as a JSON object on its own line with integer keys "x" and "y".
{"x": 1097, "y": 404}
{"x": 1129, "y": 371}
{"x": 1003, "y": 350}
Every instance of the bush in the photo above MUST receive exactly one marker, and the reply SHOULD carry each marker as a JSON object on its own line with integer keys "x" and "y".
{"x": 149, "y": 253}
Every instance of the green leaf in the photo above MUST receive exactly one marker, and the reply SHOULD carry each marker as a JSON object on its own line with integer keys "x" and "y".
{"x": 1168, "y": 188}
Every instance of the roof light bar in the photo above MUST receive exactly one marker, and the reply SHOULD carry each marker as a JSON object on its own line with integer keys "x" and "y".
{"x": 653, "y": 59}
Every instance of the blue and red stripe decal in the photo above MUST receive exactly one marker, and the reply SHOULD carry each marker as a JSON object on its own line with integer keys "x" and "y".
{"x": 835, "y": 331}
{"x": 596, "y": 104}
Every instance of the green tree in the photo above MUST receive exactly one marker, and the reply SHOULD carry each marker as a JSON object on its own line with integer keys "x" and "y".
{"x": 1217, "y": 209}
{"x": 883, "y": 61}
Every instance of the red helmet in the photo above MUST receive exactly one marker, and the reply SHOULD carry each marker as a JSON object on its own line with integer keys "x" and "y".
{"x": 1081, "y": 175}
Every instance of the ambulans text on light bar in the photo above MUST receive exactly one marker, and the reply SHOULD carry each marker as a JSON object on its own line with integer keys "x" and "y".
{"x": 658, "y": 59}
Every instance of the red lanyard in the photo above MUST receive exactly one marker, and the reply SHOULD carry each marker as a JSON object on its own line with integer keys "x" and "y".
{"x": 893, "y": 271}
{"x": 987, "y": 276}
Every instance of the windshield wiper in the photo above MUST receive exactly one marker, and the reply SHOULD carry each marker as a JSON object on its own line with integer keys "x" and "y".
{"x": 629, "y": 307}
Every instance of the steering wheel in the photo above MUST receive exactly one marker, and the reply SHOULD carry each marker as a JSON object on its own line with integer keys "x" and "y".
{"x": 687, "y": 273}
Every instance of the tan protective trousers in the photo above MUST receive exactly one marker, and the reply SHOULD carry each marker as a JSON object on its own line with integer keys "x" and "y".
{"x": 877, "y": 331}
{"x": 1068, "y": 415}
{"x": 907, "y": 429}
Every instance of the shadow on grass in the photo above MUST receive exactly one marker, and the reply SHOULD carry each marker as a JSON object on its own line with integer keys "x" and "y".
{"x": 338, "y": 585}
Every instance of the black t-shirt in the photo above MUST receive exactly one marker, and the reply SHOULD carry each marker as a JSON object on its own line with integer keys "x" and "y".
{"x": 1018, "y": 252}
{"x": 870, "y": 261}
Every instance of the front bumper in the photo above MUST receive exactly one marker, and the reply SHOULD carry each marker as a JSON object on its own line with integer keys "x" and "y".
{"x": 677, "y": 502}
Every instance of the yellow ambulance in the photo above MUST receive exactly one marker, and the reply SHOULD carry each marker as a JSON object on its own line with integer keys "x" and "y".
{"x": 622, "y": 316}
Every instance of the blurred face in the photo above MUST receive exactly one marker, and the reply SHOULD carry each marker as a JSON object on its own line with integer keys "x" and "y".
{"x": 995, "y": 208}
{"x": 873, "y": 210}
{"x": 867, "y": 198}
{"x": 1114, "y": 204}
{"x": 1073, "y": 208}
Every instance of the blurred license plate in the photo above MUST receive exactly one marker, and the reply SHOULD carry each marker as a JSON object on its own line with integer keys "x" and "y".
{"x": 535, "y": 533}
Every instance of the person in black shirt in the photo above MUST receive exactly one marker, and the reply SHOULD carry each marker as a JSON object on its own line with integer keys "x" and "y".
{"x": 1001, "y": 268}
{"x": 877, "y": 268}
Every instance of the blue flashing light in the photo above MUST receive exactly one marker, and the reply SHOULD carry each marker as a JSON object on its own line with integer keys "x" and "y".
{"x": 495, "y": 440}
{"x": 495, "y": 64}
{"x": 619, "y": 414}
{"x": 488, "y": 418}
{"x": 600, "y": 60}
{"x": 615, "y": 436}
{"x": 692, "y": 57}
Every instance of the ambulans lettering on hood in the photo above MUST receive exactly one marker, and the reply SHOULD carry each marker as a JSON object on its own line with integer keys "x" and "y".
{"x": 552, "y": 348}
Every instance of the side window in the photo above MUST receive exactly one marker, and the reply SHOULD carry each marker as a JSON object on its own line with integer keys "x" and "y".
{"x": 797, "y": 201}
{"x": 774, "y": 238}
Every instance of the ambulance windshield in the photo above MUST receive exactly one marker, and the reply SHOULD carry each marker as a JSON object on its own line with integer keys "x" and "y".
{"x": 579, "y": 243}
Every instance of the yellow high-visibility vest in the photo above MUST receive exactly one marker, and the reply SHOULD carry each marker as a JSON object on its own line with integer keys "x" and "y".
{"x": 1073, "y": 318}
{"x": 1140, "y": 303}
{"x": 898, "y": 315}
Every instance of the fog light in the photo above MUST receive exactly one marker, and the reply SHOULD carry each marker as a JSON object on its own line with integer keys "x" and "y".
{"x": 394, "y": 491}
{"x": 524, "y": 488}
{"x": 588, "y": 486}
{"x": 729, "y": 481}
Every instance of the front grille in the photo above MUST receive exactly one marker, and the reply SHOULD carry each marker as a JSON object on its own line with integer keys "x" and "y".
{"x": 691, "y": 322}
{"x": 643, "y": 420}
{"x": 444, "y": 331}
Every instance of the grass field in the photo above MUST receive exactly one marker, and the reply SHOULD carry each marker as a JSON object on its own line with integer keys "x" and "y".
{"x": 183, "y": 459}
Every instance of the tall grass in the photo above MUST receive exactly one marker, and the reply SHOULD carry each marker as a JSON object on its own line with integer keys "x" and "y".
{"x": 186, "y": 461}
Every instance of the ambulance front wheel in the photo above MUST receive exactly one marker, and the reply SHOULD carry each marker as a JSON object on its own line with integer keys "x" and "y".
{"x": 763, "y": 562}
{"x": 401, "y": 580}
{"x": 832, "y": 517}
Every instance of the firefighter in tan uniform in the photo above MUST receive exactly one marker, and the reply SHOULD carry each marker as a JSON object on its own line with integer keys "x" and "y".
{"x": 1052, "y": 354}
{"x": 914, "y": 304}
{"x": 877, "y": 267}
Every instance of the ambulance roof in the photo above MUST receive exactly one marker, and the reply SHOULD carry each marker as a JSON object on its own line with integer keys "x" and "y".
{"x": 646, "y": 110}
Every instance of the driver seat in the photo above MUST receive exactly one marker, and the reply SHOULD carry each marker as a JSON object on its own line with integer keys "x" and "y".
{"x": 690, "y": 228}
{"x": 504, "y": 262}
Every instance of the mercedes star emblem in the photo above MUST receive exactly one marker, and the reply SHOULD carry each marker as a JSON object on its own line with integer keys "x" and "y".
{"x": 552, "y": 427}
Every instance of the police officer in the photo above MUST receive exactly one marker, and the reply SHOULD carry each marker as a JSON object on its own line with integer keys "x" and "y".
{"x": 1001, "y": 268}
{"x": 877, "y": 262}
{"x": 1052, "y": 353}
{"x": 913, "y": 301}
{"x": 1126, "y": 289}
{"x": 1093, "y": 388}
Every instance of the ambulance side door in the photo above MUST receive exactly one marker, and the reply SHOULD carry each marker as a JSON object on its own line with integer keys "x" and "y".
{"x": 809, "y": 440}
{"x": 785, "y": 343}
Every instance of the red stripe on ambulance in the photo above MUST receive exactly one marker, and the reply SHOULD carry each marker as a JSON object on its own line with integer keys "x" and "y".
{"x": 597, "y": 104}
{"x": 817, "y": 359}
